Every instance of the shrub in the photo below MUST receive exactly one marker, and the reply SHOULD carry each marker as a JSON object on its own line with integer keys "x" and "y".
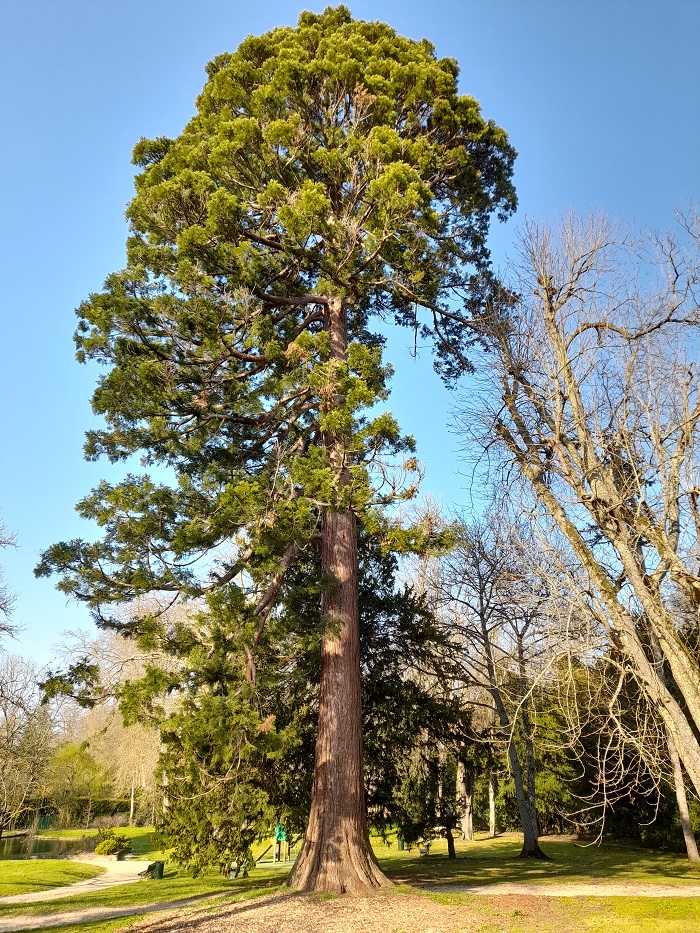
{"x": 110, "y": 822}
{"x": 109, "y": 843}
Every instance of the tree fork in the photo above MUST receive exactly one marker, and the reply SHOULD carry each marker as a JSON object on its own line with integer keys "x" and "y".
{"x": 336, "y": 856}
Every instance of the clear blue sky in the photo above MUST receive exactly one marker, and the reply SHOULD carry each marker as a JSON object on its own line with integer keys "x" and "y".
{"x": 600, "y": 99}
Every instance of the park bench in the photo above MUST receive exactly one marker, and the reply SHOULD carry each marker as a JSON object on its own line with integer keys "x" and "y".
{"x": 154, "y": 870}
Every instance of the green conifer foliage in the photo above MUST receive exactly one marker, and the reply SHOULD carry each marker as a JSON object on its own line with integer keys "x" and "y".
{"x": 331, "y": 175}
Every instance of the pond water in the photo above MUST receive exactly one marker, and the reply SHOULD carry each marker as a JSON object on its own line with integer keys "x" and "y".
{"x": 34, "y": 847}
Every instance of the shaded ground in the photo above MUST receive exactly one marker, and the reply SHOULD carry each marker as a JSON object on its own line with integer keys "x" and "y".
{"x": 495, "y": 861}
{"x": 405, "y": 913}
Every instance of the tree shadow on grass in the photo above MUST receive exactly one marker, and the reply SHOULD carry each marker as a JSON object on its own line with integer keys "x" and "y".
{"x": 494, "y": 861}
{"x": 175, "y": 886}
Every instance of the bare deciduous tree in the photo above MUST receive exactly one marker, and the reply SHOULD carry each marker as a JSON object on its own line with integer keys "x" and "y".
{"x": 7, "y": 599}
{"x": 596, "y": 400}
{"x": 128, "y": 754}
{"x": 25, "y": 737}
{"x": 492, "y": 608}
{"x": 129, "y": 751}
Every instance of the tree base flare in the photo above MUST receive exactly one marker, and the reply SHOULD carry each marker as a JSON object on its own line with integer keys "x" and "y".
{"x": 534, "y": 853}
{"x": 353, "y": 870}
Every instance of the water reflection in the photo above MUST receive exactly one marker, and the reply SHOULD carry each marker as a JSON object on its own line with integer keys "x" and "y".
{"x": 36, "y": 847}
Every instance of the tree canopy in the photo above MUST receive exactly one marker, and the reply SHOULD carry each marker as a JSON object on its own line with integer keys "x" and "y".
{"x": 333, "y": 159}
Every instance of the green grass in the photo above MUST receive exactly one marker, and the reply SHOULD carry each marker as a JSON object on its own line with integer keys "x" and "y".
{"x": 488, "y": 861}
{"x": 583, "y": 914}
{"x": 485, "y": 860}
{"x": 644, "y": 915}
{"x": 97, "y": 926}
{"x": 22, "y": 876}
{"x": 175, "y": 886}
{"x": 66, "y": 833}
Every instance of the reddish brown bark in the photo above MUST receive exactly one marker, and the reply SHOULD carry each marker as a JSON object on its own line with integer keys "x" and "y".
{"x": 336, "y": 856}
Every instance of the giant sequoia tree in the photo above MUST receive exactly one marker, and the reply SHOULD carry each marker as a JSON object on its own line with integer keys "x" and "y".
{"x": 331, "y": 174}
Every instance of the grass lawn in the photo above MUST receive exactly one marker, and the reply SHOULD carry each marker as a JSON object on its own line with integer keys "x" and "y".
{"x": 24, "y": 875}
{"x": 510, "y": 914}
{"x": 98, "y": 926}
{"x": 66, "y": 833}
{"x": 486, "y": 861}
{"x": 645, "y": 915}
{"x": 176, "y": 885}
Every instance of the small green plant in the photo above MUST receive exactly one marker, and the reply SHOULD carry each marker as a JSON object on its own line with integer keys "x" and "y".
{"x": 110, "y": 843}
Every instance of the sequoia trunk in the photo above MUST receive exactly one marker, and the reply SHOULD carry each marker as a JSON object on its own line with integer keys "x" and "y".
{"x": 336, "y": 856}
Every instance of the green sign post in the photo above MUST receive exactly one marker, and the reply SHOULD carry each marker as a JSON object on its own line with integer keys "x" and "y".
{"x": 280, "y": 840}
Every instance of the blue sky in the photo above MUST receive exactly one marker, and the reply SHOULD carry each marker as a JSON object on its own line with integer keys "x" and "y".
{"x": 600, "y": 99}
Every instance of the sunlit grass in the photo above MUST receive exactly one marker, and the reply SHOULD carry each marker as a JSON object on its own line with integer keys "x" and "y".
{"x": 22, "y": 876}
{"x": 66, "y": 833}
{"x": 485, "y": 860}
{"x": 644, "y": 915}
{"x": 176, "y": 885}
{"x": 489, "y": 861}
{"x": 96, "y": 926}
